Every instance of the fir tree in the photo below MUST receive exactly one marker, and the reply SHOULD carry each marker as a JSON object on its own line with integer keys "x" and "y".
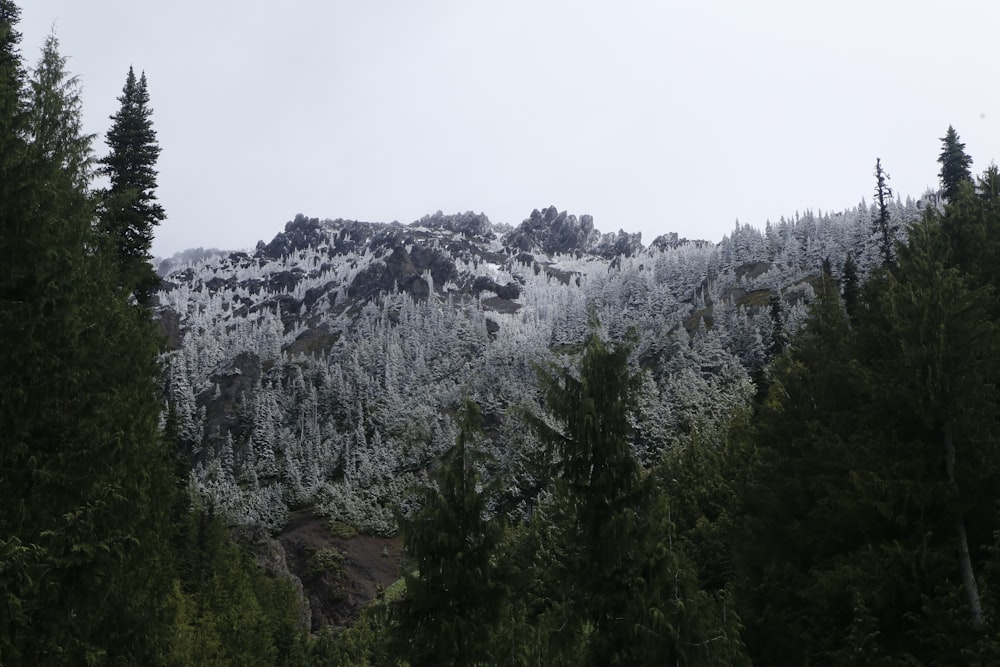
{"x": 80, "y": 455}
{"x": 955, "y": 165}
{"x": 453, "y": 595}
{"x": 947, "y": 347}
{"x": 884, "y": 229}
{"x": 130, "y": 211}
{"x": 599, "y": 480}
{"x": 13, "y": 175}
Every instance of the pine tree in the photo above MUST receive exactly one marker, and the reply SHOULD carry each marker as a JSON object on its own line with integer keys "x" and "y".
{"x": 454, "y": 594}
{"x": 946, "y": 346}
{"x": 867, "y": 505}
{"x": 13, "y": 175}
{"x": 130, "y": 210}
{"x": 599, "y": 480}
{"x": 850, "y": 287}
{"x": 955, "y": 165}
{"x": 884, "y": 229}
{"x": 80, "y": 461}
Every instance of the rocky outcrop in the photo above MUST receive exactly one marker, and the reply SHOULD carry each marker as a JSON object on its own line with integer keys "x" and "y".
{"x": 554, "y": 232}
{"x": 271, "y": 557}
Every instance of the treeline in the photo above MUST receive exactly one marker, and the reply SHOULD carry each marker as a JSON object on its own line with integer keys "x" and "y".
{"x": 849, "y": 516}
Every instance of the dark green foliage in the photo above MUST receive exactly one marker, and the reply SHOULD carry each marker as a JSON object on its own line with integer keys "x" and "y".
{"x": 870, "y": 502}
{"x": 129, "y": 211}
{"x": 850, "y": 288}
{"x": 92, "y": 527}
{"x": 54, "y": 119}
{"x": 228, "y": 612}
{"x": 955, "y": 165}
{"x": 610, "y": 579}
{"x": 453, "y": 593}
{"x": 80, "y": 453}
{"x": 779, "y": 337}
{"x": 598, "y": 486}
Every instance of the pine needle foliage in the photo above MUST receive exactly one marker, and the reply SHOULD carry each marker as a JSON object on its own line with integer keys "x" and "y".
{"x": 454, "y": 591}
{"x": 130, "y": 210}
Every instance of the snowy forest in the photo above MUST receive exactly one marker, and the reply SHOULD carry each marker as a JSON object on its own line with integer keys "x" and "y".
{"x": 459, "y": 442}
{"x": 325, "y": 368}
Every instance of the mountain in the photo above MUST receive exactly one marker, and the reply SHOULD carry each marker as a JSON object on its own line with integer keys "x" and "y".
{"x": 326, "y": 363}
{"x": 322, "y": 371}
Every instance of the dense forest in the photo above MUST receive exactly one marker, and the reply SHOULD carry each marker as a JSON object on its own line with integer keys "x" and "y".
{"x": 775, "y": 450}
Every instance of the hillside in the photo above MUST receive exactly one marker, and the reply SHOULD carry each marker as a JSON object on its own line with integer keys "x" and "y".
{"x": 323, "y": 369}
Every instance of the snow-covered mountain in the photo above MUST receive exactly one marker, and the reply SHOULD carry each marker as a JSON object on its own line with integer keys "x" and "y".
{"x": 324, "y": 368}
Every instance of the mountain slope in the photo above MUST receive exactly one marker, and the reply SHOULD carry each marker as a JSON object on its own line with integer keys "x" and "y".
{"x": 323, "y": 368}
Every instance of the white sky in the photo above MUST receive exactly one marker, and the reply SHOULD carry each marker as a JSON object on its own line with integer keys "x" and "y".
{"x": 651, "y": 116}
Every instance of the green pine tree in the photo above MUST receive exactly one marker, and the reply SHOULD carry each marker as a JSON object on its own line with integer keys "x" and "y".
{"x": 130, "y": 210}
{"x": 599, "y": 480}
{"x": 453, "y": 593}
{"x": 955, "y": 165}
{"x": 80, "y": 459}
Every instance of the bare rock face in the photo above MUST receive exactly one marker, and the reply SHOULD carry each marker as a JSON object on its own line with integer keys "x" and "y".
{"x": 170, "y": 326}
{"x": 271, "y": 557}
{"x": 554, "y": 232}
{"x": 404, "y": 271}
{"x": 229, "y": 387}
{"x": 340, "y": 574}
{"x": 299, "y": 234}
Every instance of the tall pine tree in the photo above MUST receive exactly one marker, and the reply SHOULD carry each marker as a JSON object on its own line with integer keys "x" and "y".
{"x": 130, "y": 210}
{"x": 955, "y": 165}
{"x": 884, "y": 229}
{"x": 453, "y": 595}
{"x": 80, "y": 459}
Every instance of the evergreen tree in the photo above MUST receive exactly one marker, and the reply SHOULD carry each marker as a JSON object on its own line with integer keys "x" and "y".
{"x": 454, "y": 594}
{"x": 955, "y": 165}
{"x": 13, "y": 174}
{"x": 867, "y": 507}
{"x": 884, "y": 229}
{"x": 971, "y": 222}
{"x": 947, "y": 346}
{"x": 798, "y": 449}
{"x": 80, "y": 458}
{"x": 130, "y": 210}
{"x": 599, "y": 478}
{"x": 779, "y": 336}
{"x": 850, "y": 287}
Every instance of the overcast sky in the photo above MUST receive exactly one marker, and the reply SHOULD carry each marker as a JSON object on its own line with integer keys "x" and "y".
{"x": 651, "y": 116}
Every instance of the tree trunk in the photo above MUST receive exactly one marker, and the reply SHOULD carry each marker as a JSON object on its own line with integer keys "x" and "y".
{"x": 958, "y": 525}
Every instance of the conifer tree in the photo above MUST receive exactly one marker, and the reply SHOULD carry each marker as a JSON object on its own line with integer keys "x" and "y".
{"x": 130, "y": 210}
{"x": 850, "y": 288}
{"x": 13, "y": 175}
{"x": 79, "y": 451}
{"x": 947, "y": 345}
{"x": 798, "y": 445}
{"x": 955, "y": 165}
{"x": 884, "y": 229}
{"x": 454, "y": 593}
{"x": 19, "y": 557}
{"x": 599, "y": 478}
{"x": 867, "y": 506}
